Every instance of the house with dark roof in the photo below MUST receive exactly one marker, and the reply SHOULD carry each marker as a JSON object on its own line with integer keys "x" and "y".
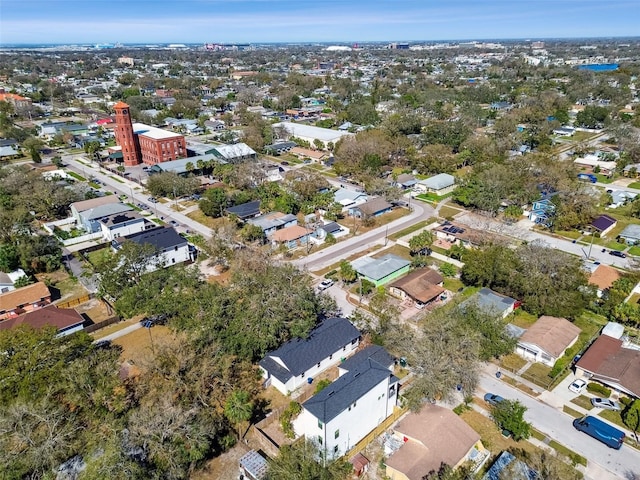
{"x": 343, "y": 413}
{"x": 604, "y": 224}
{"x": 171, "y": 248}
{"x": 404, "y": 181}
{"x": 491, "y": 302}
{"x": 322, "y": 231}
{"x": 381, "y": 270}
{"x": 245, "y": 210}
{"x": 423, "y": 285}
{"x": 547, "y": 339}
{"x": 300, "y": 360}
{"x": 609, "y": 362}
{"x": 371, "y": 352}
{"x": 66, "y": 320}
{"x": 429, "y": 438}
{"x": 507, "y": 464}
{"x": 122, "y": 224}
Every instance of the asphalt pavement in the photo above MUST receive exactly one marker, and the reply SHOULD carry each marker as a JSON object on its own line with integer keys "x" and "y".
{"x": 603, "y": 462}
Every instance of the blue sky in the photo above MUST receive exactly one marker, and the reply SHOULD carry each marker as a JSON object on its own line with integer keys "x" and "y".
{"x": 237, "y": 21}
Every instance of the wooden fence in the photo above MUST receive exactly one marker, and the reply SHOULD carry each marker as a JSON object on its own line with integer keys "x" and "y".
{"x": 73, "y": 302}
{"x": 376, "y": 432}
{"x": 104, "y": 323}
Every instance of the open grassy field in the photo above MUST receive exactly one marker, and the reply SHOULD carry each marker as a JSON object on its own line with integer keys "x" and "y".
{"x": 399, "y": 250}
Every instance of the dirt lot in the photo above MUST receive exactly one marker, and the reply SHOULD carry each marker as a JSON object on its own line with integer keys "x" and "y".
{"x": 94, "y": 309}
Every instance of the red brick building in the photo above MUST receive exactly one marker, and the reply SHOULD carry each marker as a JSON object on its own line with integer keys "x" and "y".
{"x": 144, "y": 143}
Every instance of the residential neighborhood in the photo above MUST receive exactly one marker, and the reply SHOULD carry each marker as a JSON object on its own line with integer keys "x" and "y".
{"x": 387, "y": 260}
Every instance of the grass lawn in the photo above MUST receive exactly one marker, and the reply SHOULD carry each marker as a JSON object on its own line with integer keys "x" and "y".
{"x": 635, "y": 298}
{"x": 399, "y": 250}
{"x": 350, "y": 258}
{"x": 137, "y": 346}
{"x": 570, "y": 454}
{"x": 572, "y": 412}
{"x": 413, "y": 228}
{"x": 603, "y": 178}
{"x": 583, "y": 401}
{"x": 203, "y": 219}
{"x": 522, "y": 319}
{"x": 613, "y": 417}
{"x": 80, "y": 178}
{"x": 538, "y": 374}
{"x": 116, "y": 179}
{"x": 453, "y": 284}
{"x": 448, "y": 211}
{"x": 94, "y": 185}
{"x": 98, "y": 256}
{"x": 635, "y": 250}
{"x": 572, "y": 234}
{"x": 490, "y": 435}
{"x": 635, "y": 185}
{"x": 512, "y": 362}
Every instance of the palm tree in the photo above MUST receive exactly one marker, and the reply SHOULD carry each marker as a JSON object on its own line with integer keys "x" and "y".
{"x": 239, "y": 409}
{"x": 421, "y": 242}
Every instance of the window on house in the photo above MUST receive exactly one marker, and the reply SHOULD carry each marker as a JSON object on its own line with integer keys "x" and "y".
{"x": 335, "y": 449}
{"x": 319, "y": 440}
{"x": 319, "y": 424}
{"x": 336, "y": 434}
{"x": 392, "y": 390}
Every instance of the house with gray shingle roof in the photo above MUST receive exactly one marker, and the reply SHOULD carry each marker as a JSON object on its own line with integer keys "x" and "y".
{"x": 630, "y": 235}
{"x": 346, "y": 411}
{"x": 491, "y": 302}
{"x": 298, "y": 360}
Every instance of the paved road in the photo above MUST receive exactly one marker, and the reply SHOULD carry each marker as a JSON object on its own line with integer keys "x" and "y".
{"x": 624, "y": 463}
{"x": 521, "y": 232}
{"x": 127, "y": 187}
{"x": 420, "y": 211}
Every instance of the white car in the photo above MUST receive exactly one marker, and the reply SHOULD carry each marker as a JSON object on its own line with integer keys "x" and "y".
{"x": 325, "y": 284}
{"x": 578, "y": 386}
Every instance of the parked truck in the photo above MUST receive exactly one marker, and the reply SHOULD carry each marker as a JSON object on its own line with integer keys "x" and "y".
{"x": 610, "y": 436}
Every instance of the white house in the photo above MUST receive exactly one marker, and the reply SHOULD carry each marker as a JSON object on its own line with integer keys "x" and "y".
{"x": 298, "y": 360}
{"x": 171, "y": 248}
{"x": 343, "y": 413}
{"x": 547, "y": 339}
{"x": 8, "y": 280}
{"x": 310, "y": 133}
{"x": 122, "y": 224}
{"x": 440, "y": 184}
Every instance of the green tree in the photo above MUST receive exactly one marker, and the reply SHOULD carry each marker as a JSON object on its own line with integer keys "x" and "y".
{"x": 347, "y": 272}
{"x": 214, "y": 202}
{"x": 509, "y": 415}
{"x": 238, "y": 409}
{"x": 421, "y": 242}
{"x": 631, "y": 417}
{"x": 33, "y": 145}
{"x": 9, "y": 257}
{"x": 301, "y": 461}
{"x": 448, "y": 269}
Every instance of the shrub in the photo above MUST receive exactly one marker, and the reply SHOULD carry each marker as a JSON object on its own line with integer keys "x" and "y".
{"x": 321, "y": 385}
{"x": 599, "y": 389}
{"x": 366, "y": 287}
{"x": 558, "y": 367}
{"x": 291, "y": 412}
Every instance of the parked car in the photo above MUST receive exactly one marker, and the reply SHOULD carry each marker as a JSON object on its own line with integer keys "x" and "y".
{"x": 173, "y": 223}
{"x": 616, "y": 253}
{"x": 493, "y": 399}
{"x": 285, "y": 163}
{"x": 578, "y": 386}
{"x": 152, "y": 199}
{"x": 605, "y": 403}
{"x": 600, "y": 430}
{"x": 325, "y": 284}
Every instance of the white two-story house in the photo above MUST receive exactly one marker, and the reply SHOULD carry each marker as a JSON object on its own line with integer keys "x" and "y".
{"x": 170, "y": 248}
{"x": 298, "y": 360}
{"x": 123, "y": 224}
{"x": 343, "y": 413}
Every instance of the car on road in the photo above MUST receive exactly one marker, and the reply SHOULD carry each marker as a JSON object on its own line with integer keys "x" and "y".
{"x": 173, "y": 223}
{"x": 325, "y": 284}
{"x": 145, "y": 168}
{"x": 493, "y": 399}
{"x": 605, "y": 403}
{"x": 616, "y": 253}
{"x": 285, "y": 163}
{"x": 152, "y": 199}
{"x": 578, "y": 386}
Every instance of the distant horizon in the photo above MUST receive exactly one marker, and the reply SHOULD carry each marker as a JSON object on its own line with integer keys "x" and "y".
{"x": 348, "y": 43}
{"x": 73, "y": 22}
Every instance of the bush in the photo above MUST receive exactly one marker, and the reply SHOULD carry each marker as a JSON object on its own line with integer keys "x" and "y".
{"x": 366, "y": 287}
{"x": 332, "y": 275}
{"x": 558, "y": 367}
{"x": 291, "y": 412}
{"x": 599, "y": 389}
{"x": 321, "y": 385}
